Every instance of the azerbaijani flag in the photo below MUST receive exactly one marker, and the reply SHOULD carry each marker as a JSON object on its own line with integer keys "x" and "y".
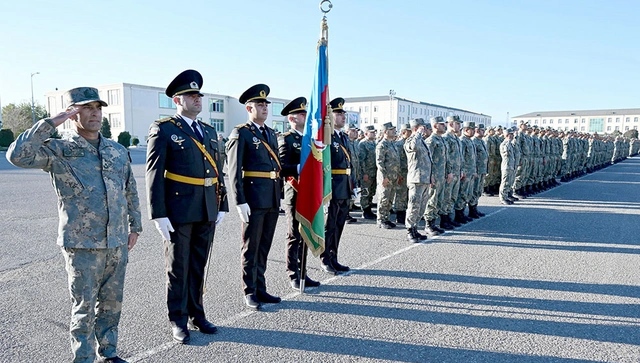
{"x": 314, "y": 182}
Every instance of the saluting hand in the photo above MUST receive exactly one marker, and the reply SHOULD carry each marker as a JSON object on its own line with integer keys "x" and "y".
{"x": 63, "y": 116}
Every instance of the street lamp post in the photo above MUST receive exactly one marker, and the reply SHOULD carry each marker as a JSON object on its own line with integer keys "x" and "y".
{"x": 391, "y": 94}
{"x": 33, "y": 106}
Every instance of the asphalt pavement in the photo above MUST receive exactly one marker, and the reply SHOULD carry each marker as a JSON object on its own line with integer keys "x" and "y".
{"x": 553, "y": 278}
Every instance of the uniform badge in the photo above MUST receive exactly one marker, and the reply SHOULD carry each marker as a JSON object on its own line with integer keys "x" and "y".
{"x": 296, "y": 145}
{"x": 177, "y": 139}
{"x": 256, "y": 142}
{"x": 336, "y": 145}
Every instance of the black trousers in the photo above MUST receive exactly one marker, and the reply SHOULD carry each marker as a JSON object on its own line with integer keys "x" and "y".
{"x": 336, "y": 218}
{"x": 293, "y": 238}
{"x": 186, "y": 257}
{"x": 257, "y": 236}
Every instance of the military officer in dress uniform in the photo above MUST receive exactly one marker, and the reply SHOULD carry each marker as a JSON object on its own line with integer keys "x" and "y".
{"x": 254, "y": 177}
{"x": 342, "y": 186}
{"x": 289, "y": 152}
{"x": 186, "y": 199}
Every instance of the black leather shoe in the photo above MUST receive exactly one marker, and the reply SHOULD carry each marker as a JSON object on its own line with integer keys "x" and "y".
{"x": 266, "y": 298}
{"x": 252, "y": 301}
{"x": 309, "y": 282}
{"x": 180, "y": 333}
{"x": 205, "y": 326}
{"x": 351, "y": 220}
{"x": 328, "y": 268}
{"x": 339, "y": 267}
{"x": 115, "y": 359}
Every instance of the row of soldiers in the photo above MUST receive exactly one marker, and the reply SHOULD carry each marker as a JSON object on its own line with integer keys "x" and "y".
{"x": 526, "y": 160}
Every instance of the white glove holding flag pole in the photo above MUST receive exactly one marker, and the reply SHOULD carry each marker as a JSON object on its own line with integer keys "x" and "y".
{"x": 244, "y": 211}
{"x": 220, "y": 217}
{"x": 164, "y": 227}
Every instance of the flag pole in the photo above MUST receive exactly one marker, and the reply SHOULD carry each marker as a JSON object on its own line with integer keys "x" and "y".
{"x": 325, "y": 7}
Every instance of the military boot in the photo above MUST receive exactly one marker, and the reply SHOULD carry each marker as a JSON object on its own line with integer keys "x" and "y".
{"x": 445, "y": 222}
{"x": 368, "y": 214}
{"x": 411, "y": 235}
{"x": 453, "y": 222}
{"x": 432, "y": 229}
{"x": 473, "y": 212}
{"x": 401, "y": 216}
{"x": 460, "y": 218}
{"x": 421, "y": 237}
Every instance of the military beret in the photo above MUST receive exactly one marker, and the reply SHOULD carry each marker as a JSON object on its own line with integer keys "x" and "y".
{"x": 469, "y": 124}
{"x": 188, "y": 81}
{"x": 298, "y": 105}
{"x": 258, "y": 93}
{"x": 453, "y": 118}
{"x": 370, "y": 128}
{"x": 82, "y": 96}
{"x": 337, "y": 104}
{"x": 437, "y": 120}
{"x": 387, "y": 126}
{"x": 416, "y": 122}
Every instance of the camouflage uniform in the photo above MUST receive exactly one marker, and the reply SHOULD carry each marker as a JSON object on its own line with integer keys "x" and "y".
{"x": 98, "y": 207}
{"x": 482, "y": 164}
{"x": 418, "y": 177}
{"x": 454, "y": 167}
{"x": 402, "y": 191}
{"x": 388, "y": 165}
{"x": 507, "y": 169}
{"x": 438, "y": 151}
{"x": 367, "y": 157}
{"x": 524, "y": 167}
{"x": 468, "y": 167}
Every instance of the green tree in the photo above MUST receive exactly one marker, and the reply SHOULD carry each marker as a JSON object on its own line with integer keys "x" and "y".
{"x": 135, "y": 141}
{"x": 105, "y": 130}
{"x": 124, "y": 139}
{"x": 6, "y": 137}
{"x": 18, "y": 118}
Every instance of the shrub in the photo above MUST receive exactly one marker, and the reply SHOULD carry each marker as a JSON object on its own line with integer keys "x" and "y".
{"x": 124, "y": 139}
{"x": 6, "y": 137}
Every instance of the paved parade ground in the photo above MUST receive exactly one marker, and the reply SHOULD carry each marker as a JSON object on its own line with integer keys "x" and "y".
{"x": 553, "y": 278}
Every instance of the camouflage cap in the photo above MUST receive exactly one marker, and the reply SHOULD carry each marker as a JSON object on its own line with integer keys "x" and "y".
{"x": 82, "y": 96}
{"x": 437, "y": 120}
{"x": 370, "y": 128}
{"x": 508, "y": 130}
{"x": 469, "y": 124}
{"x": 415, "y": 122}
{"x": 353, "y": 126}
{"x": 480, "y": 126}
{"x": 453, "y": 118}
{"x": 405, "y": 127}
{"x": 387, "y": 126}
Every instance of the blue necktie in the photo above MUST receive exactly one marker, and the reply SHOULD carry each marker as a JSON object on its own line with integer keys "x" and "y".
{"x": 197, "y": 132}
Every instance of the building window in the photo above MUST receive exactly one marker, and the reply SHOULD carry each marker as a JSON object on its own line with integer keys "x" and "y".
{"x": 216, "y": 105}
{"x": 626, "y": 128}
{"x": 582, "y": 128}
{"x": 113, "y": 97}
{"x": 544, "y": 121}
{"x": 617, "y": 119}
{"x": 628, "y": 119}
{"x": 375, "y": 108}
{"x": 276, "y": 108}
{"x": 217, "y": 123}
{"x": 608, "y": 128}
{"x": 609, "y": 119}
{"x": 535, "y": 122}
{"x": 114, "y": 120}
{"x": 551, "y": 121}
{"x": 164, "y": 116}
{"x": 375, "y": 120}
{"x": 596, "y": 124}
{"x": 583, "y": 121}
{"x": 165, "y": 102}
{"x": 635, "y": 119}
{"x": 366, "y": 120}
{"x": 617, "y": 128}
{"x": 366, "y": 108}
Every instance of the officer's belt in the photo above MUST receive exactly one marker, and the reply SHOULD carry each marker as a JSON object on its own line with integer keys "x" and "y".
{"x": 207, "y": 182}
{"x": 261, "y": 174}
{"x": 346, "y": 171}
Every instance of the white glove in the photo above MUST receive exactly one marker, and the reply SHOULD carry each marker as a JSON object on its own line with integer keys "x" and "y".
{"x": 220, "y": 217}
{"x": 164, "y": 227}
{"x": 244, "y": 211}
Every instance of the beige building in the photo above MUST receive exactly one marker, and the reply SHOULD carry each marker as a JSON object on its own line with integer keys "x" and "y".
{"x": 134, "y": 107}
{"x": 600, "y": 121}
{"x": 378, "y": 110}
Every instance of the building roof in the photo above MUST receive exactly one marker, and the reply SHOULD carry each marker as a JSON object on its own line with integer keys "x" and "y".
{"x": 386, "y": 98}
{"x": 615, "y": 111}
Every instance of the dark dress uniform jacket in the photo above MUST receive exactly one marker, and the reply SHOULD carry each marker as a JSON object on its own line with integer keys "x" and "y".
{"x": 340, "y": 183}
{"x": 170, "y": 148}
{"x": 289, "y": 152}
{"x": 246, "y": 152}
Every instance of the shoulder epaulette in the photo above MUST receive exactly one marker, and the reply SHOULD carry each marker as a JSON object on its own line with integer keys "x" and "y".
{"x": 164, "y": 119}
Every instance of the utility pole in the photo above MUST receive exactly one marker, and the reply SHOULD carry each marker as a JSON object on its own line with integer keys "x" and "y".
{"x": 33, "y": 106}
{"x": 391, "y": 94}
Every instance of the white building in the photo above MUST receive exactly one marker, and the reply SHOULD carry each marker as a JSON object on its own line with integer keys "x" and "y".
{"x": 378, "y": 110}
{"x": 134, "y": 107}
{"x": 601, "y": 121}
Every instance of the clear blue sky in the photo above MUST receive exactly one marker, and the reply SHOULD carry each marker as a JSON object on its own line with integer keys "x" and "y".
{"x": 488, "y": 56}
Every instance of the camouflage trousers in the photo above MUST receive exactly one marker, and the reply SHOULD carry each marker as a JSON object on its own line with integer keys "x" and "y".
{"x": 522, "y": 173}
{"x": 508, "y": 175}
{"x": 367, "y": 192}
{"x": 418, "y": 198}
{"x": 435, "y": 205}
{"x": 96, "y": 283}
{"x": 402, "y": 194}
{"x": 464, "y": 193}
{"x": 451, "y": 191}
{"x": 385, "y": 199}
{"x": 478, "y": 185}
{"x": 493, "y": 176}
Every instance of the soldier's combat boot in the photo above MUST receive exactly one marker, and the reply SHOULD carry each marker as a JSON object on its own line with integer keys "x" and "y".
{"x": 445, "y": 222}
{"x": 401, "y": 216}
{"x": 460, "y": 217}
{"x": 473, "y": 212}
{"x": 386, "y": 225}
{"x": 411, "y": 235}
{"x": 453, "y": 222}
{"x": 432, "y": 229}
{"x": 421, "y": 237}
{"x": 368, "y": 214}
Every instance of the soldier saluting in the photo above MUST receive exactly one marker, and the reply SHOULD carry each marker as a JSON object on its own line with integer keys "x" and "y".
{"x": 186, "y": 199}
